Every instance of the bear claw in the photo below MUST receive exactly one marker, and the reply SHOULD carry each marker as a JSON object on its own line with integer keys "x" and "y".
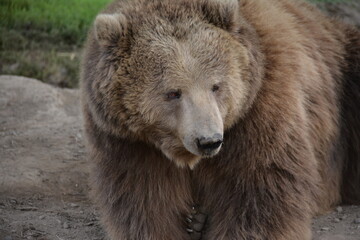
{"x": 195, "y": 223}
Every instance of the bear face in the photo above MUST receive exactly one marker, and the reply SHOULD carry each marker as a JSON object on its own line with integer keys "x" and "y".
{"x": 177, "y": 82}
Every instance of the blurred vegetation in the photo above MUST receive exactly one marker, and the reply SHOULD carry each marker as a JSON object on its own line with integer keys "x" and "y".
{"x": 50, "y": 20}
{"x": 42, "y": 38}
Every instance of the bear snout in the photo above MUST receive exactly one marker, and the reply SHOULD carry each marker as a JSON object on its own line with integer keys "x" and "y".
{"x": 209, "y": 145}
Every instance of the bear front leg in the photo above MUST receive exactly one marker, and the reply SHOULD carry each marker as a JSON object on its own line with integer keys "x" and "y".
{"x": 140, "y": 194}
{"x": 265, "y": 191}
{"x": 261, "y": 209}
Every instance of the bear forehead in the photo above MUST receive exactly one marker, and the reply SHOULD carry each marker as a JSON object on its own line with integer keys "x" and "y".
{"x": 204, "y": 48}
{"x": 168, "y": 58}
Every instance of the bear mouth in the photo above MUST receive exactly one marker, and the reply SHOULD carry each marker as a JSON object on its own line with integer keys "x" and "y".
{"x": 203, "y": 151}
{"x": 188, "y": 156}
{"x": 191, "y": 159}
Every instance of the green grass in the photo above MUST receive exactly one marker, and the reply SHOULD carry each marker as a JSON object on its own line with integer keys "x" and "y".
{"x": 42, "y": 39}
{"x": 65, "y": 20}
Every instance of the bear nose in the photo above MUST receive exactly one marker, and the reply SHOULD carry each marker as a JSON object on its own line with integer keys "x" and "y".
{"x": 209, "y": 144}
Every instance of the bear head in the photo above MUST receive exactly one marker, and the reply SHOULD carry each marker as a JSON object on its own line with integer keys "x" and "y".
{"x": 175, "y": 74}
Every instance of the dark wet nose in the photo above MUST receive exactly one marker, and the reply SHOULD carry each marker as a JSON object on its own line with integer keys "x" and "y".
{"x": 209, "y": 144}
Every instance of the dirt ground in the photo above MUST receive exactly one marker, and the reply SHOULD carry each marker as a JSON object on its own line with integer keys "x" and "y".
{"x": 44, "y": 171}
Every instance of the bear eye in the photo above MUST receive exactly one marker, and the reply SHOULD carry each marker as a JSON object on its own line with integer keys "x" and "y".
{"x": 215, "y": 88}
{"x": 174, "y": 95}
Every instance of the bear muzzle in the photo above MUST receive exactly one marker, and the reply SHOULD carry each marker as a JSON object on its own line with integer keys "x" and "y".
{"x": 209, "y": 146}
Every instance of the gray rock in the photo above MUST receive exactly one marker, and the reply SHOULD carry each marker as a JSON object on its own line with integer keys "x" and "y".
{"x": 339, "y": 209}
{"x": 74, "y": 205}
{"x": 66, "y": 225}
{"x": 357, "y": 221}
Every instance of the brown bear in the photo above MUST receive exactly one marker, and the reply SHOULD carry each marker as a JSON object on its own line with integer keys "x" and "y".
{"x": 247, "y": 109}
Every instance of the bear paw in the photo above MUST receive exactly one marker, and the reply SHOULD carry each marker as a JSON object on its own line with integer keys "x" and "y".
{"x": 196, "y": 223}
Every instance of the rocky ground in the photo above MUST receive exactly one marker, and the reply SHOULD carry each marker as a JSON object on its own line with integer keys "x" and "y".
{"x": 43, "y": 170}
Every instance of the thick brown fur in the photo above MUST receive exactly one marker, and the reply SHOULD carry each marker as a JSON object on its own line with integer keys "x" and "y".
{"x": 289, "y": 106}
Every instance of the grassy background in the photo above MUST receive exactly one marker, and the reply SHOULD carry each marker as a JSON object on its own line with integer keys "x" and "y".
{"x": 67, "y": 20}
{"x": 42, "y": 38}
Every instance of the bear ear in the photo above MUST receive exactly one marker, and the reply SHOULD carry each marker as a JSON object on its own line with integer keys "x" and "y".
{"x": 221, "y": 13}
{"x": 109, "y": 28}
